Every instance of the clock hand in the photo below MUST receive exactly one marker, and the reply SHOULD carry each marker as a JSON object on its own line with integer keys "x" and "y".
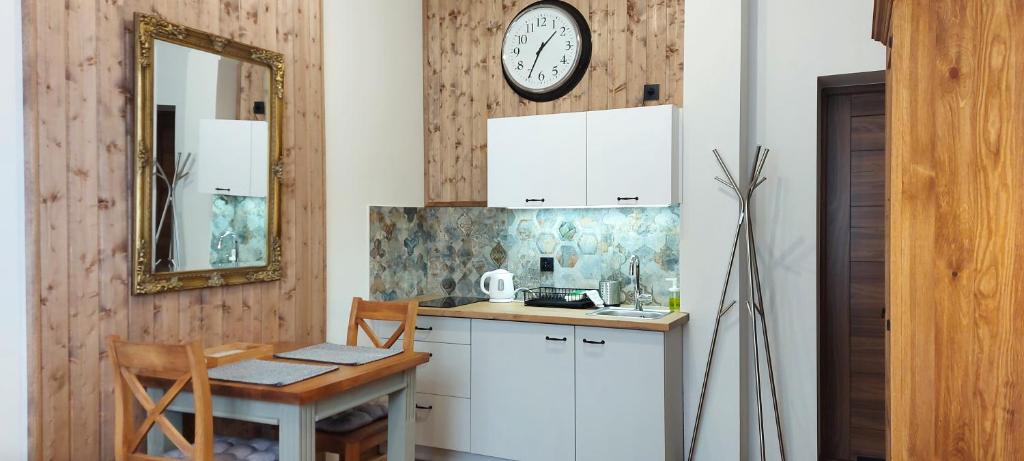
{"x": 542, "y": 45}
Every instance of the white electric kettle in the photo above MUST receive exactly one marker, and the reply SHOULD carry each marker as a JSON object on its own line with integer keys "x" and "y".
{"x": 500, "y": 289}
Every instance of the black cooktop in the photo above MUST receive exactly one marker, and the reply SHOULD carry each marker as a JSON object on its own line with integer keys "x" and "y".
{"x": 451, "y": 301}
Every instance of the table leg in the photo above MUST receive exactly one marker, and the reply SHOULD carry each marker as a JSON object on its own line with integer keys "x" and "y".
{"x": 402, "y": 420}
{"x": 156, "y": 442}
{"x": 297, "y": 433}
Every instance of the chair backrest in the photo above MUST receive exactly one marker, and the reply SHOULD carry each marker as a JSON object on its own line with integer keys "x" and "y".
{"x": 187, "y": 362}
{"x": 362, "y": 310}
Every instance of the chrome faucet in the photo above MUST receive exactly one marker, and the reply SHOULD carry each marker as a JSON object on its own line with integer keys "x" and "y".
{"x": 639, "y": 297}
{"x": 233, "y": 257}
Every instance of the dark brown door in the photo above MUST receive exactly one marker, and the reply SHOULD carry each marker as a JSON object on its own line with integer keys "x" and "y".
{"x": 852, "y": 284}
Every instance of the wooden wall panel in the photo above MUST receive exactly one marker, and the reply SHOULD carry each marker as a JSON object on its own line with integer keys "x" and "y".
{"x": 78, "y": 120}
{"x": 956, "y": 223}
{"x": 634, "y": 42}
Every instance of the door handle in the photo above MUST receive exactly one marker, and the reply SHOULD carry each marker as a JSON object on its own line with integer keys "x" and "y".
{"x": 425, "y": 328}
{"x": 623, "y": 199}
{"x": 529, "y": 200}
{"x": 556, "y": 339}
{"x": 424, "y": 407}
{"x": 593, "y": 342}
{"x": 223, "y": 189}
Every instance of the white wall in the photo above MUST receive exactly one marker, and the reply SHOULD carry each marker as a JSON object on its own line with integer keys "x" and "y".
{"x": 373, "y": 86}
{"x": 714, "y": 85}
{"x": 13, "y": 328}
{"x": 798, "y": 41}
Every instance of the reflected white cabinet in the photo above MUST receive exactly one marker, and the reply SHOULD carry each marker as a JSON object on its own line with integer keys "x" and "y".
{"x": 233, "y": 157}
{"x": 619, "y": 157}
{"x": 631, "y": 156}
{"x": 537, "y": 161}
{"x": 522, "y": 386}
{"x": 625, "y": 386}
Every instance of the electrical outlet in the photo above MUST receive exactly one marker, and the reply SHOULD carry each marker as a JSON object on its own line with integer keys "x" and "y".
{"x": 547, "y": 264}
{"x": 652, "y": 92}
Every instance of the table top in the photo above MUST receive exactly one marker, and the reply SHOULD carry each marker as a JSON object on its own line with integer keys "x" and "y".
{"x": 517, "y": 312}
{"x": 344, "y": 378}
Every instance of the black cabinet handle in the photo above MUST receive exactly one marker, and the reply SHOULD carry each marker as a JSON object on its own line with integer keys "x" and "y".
{"x": 555, "y": 339}
{"x": 225, "y": 189}
{"x": 593, "y": 342}
{"x": 424, "y": 407}
{"x": 425, "y": 328}
{"x": 622, "y": 199}
{"x": 534, "y": 200}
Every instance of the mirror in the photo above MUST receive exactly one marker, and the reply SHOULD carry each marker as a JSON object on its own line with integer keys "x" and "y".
{"x": 208, "y": 159}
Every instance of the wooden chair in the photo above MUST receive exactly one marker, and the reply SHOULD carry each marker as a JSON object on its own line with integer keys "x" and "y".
{"x": 186, "y": 359}
{"x": 368, "y": 442}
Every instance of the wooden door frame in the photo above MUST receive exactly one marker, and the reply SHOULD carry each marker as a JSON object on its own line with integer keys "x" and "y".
{"x": 833, "y": 85}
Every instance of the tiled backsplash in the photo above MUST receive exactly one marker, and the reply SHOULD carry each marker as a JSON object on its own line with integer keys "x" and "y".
{"x": 416, "y": 251}
{"x": 247, "y": 218}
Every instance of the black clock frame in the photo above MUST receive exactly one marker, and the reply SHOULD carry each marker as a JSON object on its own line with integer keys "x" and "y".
{"x": 583, "y": 64}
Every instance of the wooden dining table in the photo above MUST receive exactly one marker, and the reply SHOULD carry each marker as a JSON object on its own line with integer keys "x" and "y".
{"x": 296, "y": 408}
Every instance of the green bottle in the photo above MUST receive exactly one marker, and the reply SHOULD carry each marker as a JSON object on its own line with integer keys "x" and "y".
{"x": 673, "y": 294}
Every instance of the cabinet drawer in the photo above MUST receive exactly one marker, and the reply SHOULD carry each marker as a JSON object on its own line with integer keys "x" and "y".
{"x": 447, "y": 372}
{"x": 442, "y": 422}
{"x": 432, "y": 329}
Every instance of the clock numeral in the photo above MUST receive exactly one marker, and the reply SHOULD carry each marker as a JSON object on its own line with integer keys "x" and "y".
{"x": 522, "y": 39}
{"x": 542, "y": 21}
{"x": 515, "y": 51}
{"x": 568, "y": 45}
{"x": 519, "y": 66}
{"x": 554, "y": 70}
{"x": 563, "y": 32}
{"x": 540, "y": 76}
{"x": 564, "y": 61}
{"x": 529, "y": 28}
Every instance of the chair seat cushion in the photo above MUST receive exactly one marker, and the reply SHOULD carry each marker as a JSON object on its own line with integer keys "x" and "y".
{"x": 355, "y": 418}
{"x": 238, "y": 449}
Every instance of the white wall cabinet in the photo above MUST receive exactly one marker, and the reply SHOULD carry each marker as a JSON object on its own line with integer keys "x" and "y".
{"x": 233, "y": 157}
{"x": 619, "y": 157}
{"x": 621, "y": 388}
{"x": 630, "y": 157}
{"x": 537, "y": 161}
{"x": 522, "y": 391}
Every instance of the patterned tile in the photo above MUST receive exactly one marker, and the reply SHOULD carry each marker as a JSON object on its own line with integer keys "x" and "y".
{"x": 416, "y": 251}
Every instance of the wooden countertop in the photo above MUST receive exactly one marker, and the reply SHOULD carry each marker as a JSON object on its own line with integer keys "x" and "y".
{"x": 517, "y": 312}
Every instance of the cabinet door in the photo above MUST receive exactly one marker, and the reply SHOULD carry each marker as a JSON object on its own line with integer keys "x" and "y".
{"x": 537, "y": 161}
{"x": 632, "y": 156}
{"x": 620, "y": 389}
{"x": 224, "y": 161}
{"x": 522, "y": 387}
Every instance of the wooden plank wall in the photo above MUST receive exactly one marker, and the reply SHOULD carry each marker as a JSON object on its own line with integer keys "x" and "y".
{"x": 634, "y": 42}
{"x": 956, "y": 249}
{"x": 78, "y": 117}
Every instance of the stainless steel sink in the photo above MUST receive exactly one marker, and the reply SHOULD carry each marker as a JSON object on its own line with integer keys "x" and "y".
{"x": 631, "y": 313}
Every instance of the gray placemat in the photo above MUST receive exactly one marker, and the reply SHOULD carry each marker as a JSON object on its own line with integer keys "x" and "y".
{"x": 339, "y": 354}
{"x": 268, "y": 372}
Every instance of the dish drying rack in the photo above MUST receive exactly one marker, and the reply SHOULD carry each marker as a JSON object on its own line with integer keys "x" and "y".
{"x": 571, "y": 298}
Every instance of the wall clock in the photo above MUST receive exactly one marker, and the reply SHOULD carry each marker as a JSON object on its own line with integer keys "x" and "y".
{"x": 546, "y": 50}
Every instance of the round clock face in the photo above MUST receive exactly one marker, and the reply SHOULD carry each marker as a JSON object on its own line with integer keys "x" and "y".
{"x": 546, "y": 50}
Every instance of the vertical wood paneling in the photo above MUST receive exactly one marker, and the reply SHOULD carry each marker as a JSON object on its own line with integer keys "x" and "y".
{"x": 956, "y": 246}
{"x": 634, "y": 42}
{"x": 78, "y": 99}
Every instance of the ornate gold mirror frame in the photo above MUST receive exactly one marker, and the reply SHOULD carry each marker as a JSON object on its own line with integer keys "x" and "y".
{"x": 144, "y": 279}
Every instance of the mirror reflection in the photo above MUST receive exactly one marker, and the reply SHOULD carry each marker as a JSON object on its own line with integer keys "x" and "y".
{"x": 211, "y": 161}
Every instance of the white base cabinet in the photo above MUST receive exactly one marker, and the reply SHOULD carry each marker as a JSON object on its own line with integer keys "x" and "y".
{"x": 522, "y": 386}
{"x": 498, "y": 389}
{"x": 625, "y": 386}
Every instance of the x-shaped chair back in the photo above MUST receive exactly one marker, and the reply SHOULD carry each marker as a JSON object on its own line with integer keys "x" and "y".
{"x": 187, "y": 363}
{"x": 403, "y": 313}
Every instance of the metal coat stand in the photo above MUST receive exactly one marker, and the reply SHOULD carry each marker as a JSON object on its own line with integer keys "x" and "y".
{"x": 755, "y": 305}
